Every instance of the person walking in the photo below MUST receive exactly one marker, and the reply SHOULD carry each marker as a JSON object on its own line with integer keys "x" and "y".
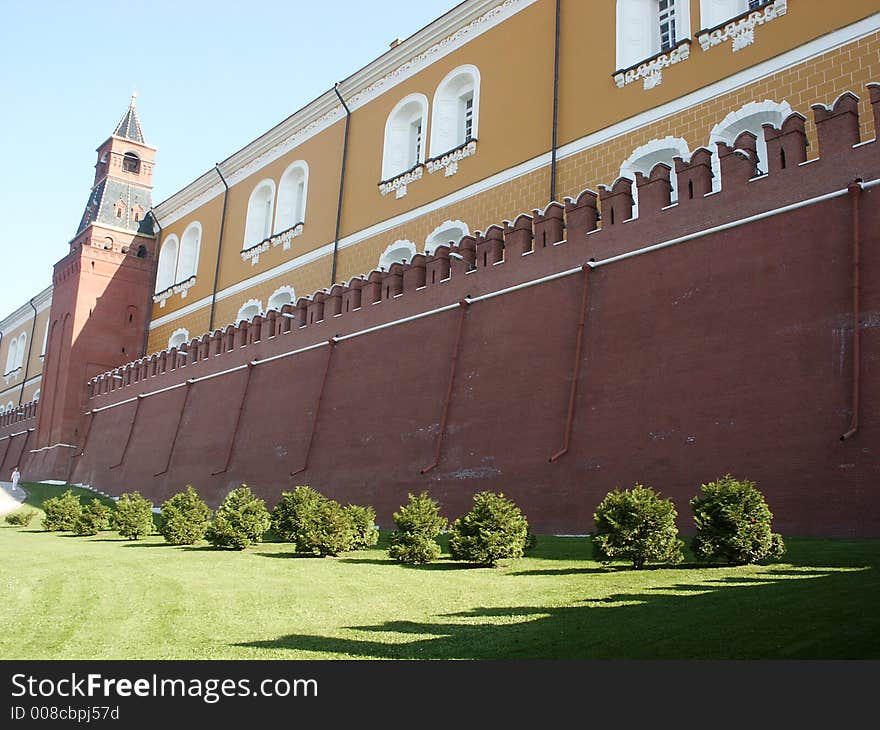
{"x": 16, "y": 476}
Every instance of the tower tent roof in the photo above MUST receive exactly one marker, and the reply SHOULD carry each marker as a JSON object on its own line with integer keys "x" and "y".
{"x": 129, "y": 126}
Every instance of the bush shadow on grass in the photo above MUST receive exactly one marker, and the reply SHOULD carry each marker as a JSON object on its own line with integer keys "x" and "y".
{"x": 747, "y": 623}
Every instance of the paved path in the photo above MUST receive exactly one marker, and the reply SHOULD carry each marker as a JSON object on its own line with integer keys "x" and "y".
{"x": 10, "y": 500}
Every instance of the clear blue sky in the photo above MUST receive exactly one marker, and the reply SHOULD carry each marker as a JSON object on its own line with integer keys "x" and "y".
{"x": 211, "y": 76}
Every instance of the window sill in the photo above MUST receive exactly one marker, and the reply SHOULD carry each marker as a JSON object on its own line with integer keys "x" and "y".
{"x": 282, "y": 238}
{"x": 180, "y": 288}
{"x": 448, "y": 161}
{"x": 651, "y": 69}
{"x": 399, "y": 183}
{"x": 740, "y": 29}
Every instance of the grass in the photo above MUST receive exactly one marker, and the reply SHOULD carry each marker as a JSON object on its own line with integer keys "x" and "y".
{"x": 102, "y": 597}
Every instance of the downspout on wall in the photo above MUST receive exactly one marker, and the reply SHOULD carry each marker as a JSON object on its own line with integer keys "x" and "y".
{"x": 555, "y": 141}
{"x": 341, "y": 185}
{"x": 27, "y": 362}
{"x": 219, "y": 248}
{"x": 855, "y": 191}
{"x": 149, "y": 309}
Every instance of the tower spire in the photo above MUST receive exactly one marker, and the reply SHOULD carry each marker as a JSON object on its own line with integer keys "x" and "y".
{"x": 129, "y": 126}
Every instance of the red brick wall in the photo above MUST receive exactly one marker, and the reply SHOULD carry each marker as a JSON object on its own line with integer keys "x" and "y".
{"x": 731, "y": 352}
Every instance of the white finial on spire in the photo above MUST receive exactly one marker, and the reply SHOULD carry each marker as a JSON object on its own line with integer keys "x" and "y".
{"x": 134, "y": 95}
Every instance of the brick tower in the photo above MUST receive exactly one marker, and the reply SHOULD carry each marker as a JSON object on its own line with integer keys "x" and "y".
{"x": 101, "y": 292}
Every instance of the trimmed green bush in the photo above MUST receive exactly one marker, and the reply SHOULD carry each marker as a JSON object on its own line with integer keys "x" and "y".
{"x": 493, "y": 530}
{"x": 94, "y": 518}
{"x": 296, "y": 510}
{"x": 185, "y": 518}
{"x": 734, "y": 523}
{"x": 321, "y": 526}
{"x": 61, "y": 512}
{"x": 133, "y": 516}
{"x": 22, "y": 518}
{"x": 636, "y": 524}
{"x": 241, "y": 520}
{"x": 363, "y": 522}
{"x": 331, "y": 533}
{"x": 418, "y": 524}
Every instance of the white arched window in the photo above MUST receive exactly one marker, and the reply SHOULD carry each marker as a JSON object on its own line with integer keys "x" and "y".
{"x": 281, "y": 296}
{"x": 748, "y": 118}
{"x": 644, "y": 158}
{"x": 647, "y": 27}
{"x": 178, "y": 337}
{"x": 715, "y": 12}
{"x": 36, "y": 395}
{"x": 405, "y": 136}
{"x": 190, "y": 243}
{"x": 249, "y": 310}
{"x": 456, "y": 111}
{"x": 10, "y": 407}
{"x": 22, "y": 341}
{"x": 167, "y": 268}
{"x": 12, "y": 355}
{"x": 398, "y": 252}
{"x": 292, "y": 192}
{"x": 259, "y": 213}
{"x": 444, "y": 234}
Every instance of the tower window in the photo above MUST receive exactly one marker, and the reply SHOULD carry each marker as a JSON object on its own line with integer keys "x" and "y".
{"x": 131, "y": 163}
{"x": 120, "y": 208}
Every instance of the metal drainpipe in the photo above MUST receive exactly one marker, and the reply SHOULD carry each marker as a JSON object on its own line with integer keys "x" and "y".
{"x": 219, "y": 247}
{"x": 447, "y": 399}
{"x": 576, "y": 367}
{"x": 231, "y": 449}
{"x": 149, "y": 309}
{"x": 305, "y": 464}
{"x": 856, "y": 192}
{"x": 555, "y": 142}
{"x": 27, "y": 362}
{"x": 341, "y": 185}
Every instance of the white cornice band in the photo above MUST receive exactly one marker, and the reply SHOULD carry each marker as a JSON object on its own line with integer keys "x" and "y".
{"x": 24, "y": 313}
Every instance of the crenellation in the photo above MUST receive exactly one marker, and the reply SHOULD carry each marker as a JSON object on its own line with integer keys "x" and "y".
{"x": 654, "y": 190}
{"x": 616, "y": 202}
{"x": 549, "y": 225}
{"x": 837, "y": 126}
{"x": 695, "y": 176}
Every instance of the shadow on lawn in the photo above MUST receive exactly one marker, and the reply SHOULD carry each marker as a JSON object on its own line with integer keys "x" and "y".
{"x": 816, "y": 613}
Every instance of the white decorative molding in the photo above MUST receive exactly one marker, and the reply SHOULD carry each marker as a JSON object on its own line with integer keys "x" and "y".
{"x": 285, "y": 238}
{"x": 252, "y": 254}
{"x": 741, "y": 31}
{"x": 382, "y": 75}
{"x": 282, "y": 239}
{"x": 449, "y": 161}
{"x": 399, "y": 184}
{"x": 651, "y": 70}
{"x": 180, "y": 288}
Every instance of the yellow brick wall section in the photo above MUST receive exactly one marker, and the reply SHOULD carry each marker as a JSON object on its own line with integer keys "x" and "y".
{"x": 819, "y": 80}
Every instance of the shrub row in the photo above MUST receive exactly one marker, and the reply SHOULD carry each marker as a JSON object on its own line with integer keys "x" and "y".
{"x": 732, "y": 518}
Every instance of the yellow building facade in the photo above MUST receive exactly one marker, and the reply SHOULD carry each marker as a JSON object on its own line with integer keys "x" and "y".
{"x": 22, "y": 350}
{"x": 494, "y": 109}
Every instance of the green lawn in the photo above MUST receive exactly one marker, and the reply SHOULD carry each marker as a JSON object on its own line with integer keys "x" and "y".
{"x": 66, "y": 597}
